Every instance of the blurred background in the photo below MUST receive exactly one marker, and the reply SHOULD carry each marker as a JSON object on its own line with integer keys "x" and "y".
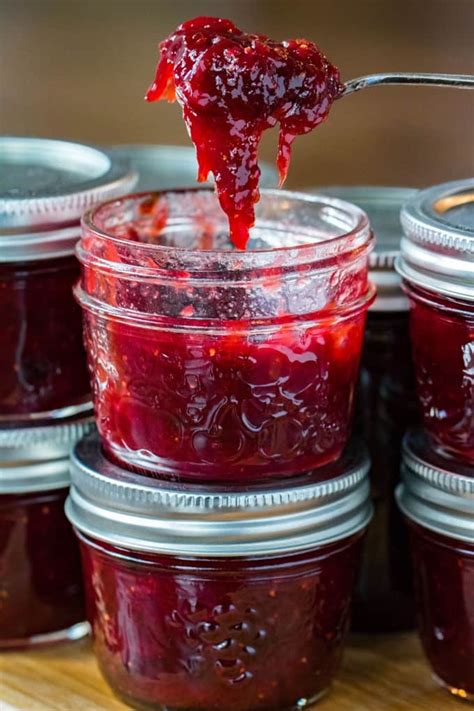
{"x": 78, "y": 69}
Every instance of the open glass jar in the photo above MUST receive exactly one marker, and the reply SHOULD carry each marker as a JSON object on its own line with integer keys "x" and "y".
{"x": 218, "y": 598}
{"x": 437, "y": 498}
{"x": 385, "y": 408}
{"x": 45, "y": 186}
{"x": 437, "y": 266}
{"x": 41, "y": 595}
{"x": 217, "y": 364}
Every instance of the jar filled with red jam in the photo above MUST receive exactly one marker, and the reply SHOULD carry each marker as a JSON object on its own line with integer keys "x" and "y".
{"x": 218, "y": 598}
{"x": 41, "y": 592}
{"x": 437, "y": 266}
{"x": 437, "y": 498}
{"x": 45, "y": 186}
{"x": 220, "y": 364}
{"x": 385, "y": 408}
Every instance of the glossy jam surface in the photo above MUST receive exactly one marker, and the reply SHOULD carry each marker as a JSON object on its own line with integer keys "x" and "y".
{"x": 232, "y": 86}
{"x": 442, "y": 332}
{"x": 184, "y": 634}
{"x": 40, "y": 569}
{"x": 386, "y": 407}
{"x": 42, "y": 359}
{"x": 228, "y": 406}
{"x": 444, "y": 583}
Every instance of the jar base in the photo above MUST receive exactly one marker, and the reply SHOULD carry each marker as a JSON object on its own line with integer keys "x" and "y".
{"x": 461, "y": 694}
{"x": 302, "y": 703}
{"x": 70, "y": 634}
{"x": 47, "y": 416}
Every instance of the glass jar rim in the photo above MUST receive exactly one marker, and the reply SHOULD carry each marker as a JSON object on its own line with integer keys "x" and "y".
{"x": 245, "y": 258}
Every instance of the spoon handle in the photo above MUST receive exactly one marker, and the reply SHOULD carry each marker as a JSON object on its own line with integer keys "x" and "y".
{"x": 456, "y": 81}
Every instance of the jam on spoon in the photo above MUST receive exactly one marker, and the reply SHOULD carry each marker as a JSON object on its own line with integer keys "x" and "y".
{"x": 232, "y": 86}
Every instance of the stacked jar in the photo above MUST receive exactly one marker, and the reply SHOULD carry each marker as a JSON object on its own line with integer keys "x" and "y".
{"x": 44, "y": 390}
{"x": 385, "y": 408}
{"x": 220, "y": 515}
{"x": 437, "y": 267}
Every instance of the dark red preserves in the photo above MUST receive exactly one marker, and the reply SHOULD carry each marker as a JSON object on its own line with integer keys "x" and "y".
{"x": 444, "y": 583}
{"x": 40, "y": 570}
{"x": 232, "y": 86}
{"x": 199, "y": 634}
{"x": 386, "y": 407}
{"x": 442, "y": 332}
{"x": 42, "y": 359}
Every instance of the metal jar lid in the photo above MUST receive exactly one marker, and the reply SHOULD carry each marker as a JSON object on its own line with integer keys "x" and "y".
{"x": 51, "y": 441}
{"x": 162, "y": 167}
{"x": 129, "y": 510}
{"x": 436, "y": 492}
{"x": 45, "y": 187}
{"x": 382, "y": 205}
{"x": 438, "y": 248}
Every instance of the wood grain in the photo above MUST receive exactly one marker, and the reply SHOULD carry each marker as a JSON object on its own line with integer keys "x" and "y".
{"x": 386, "y": 673}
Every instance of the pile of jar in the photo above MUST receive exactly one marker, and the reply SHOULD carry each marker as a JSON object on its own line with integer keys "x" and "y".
{"x": 222, "y": 507}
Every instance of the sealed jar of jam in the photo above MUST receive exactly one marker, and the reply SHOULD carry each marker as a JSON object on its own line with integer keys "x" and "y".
{"x": 218, "y": 598}
{"x": 437, "y": 266}
{"x": 45, "y": 186}
{"x": 385, "y": 408}
{"x": 217, "y": 364}
{"x": 41, "y": 595}
{"x": 437, "y": 498}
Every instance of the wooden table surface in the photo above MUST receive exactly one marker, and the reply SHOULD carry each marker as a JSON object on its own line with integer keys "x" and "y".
{"x": 386, "y": 673}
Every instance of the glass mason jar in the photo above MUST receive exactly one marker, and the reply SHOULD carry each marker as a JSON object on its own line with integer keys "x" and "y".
{"x": 224, "y": 598}
{"x": 437, "y": 266}
{"x": 385, "y": 407}
{"x": 437, "y": 498}
{"x": 41, "y": 593}
{"x": 218, "y": 364}
{"x": 42, "y": 360}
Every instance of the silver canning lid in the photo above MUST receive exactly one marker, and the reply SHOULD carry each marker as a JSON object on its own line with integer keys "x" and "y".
{"x": 162, "y": 167}
{"x": 45, "y": 187}
{"x": 51, "y": 441}
{"x": 131, "y": 511}
{"x": 436, "y": 492}
{"x": 438, "y": 248}
{"x": 382, "y": 205}
{"x": 32, "y": 473}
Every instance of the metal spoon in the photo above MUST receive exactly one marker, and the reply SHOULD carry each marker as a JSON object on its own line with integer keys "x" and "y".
{"x": 455, "y": 81}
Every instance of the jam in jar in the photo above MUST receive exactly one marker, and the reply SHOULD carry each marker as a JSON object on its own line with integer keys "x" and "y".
{"x": 438, "y": 272}
{"x": 218, "y": 598}
{"x": 41, "y": 592}
{"x": 219, "y": 364}
{"x": 42, "y": 359}
{"x": 437, "y": 498}
{"x": 385, "y": 407}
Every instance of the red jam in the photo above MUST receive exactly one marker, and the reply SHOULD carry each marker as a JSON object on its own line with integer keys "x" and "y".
{"x": 42, "y": 359}
{"x": 232, "y": 86}
{"x": 444, "y": 581}
{"x": 385, "y": 407}
{"x": 235, "y": 634}
{"x": 442, "y": 331}
{"x": 200, "y": 365}
{"x": 40, "y": 571}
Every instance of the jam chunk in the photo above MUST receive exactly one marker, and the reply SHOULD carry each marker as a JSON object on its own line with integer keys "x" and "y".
{"x": 232, "y": 86}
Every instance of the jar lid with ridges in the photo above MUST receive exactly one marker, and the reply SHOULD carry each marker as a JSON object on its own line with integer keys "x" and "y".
{"x": 382, "y": 204}
{"x": 436, "y": 491}
{"x": 437, "y": 252}
{"x": 45, "y": 187}
{"x": 49, "y": 441}
{"x": 132, "y": 511}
